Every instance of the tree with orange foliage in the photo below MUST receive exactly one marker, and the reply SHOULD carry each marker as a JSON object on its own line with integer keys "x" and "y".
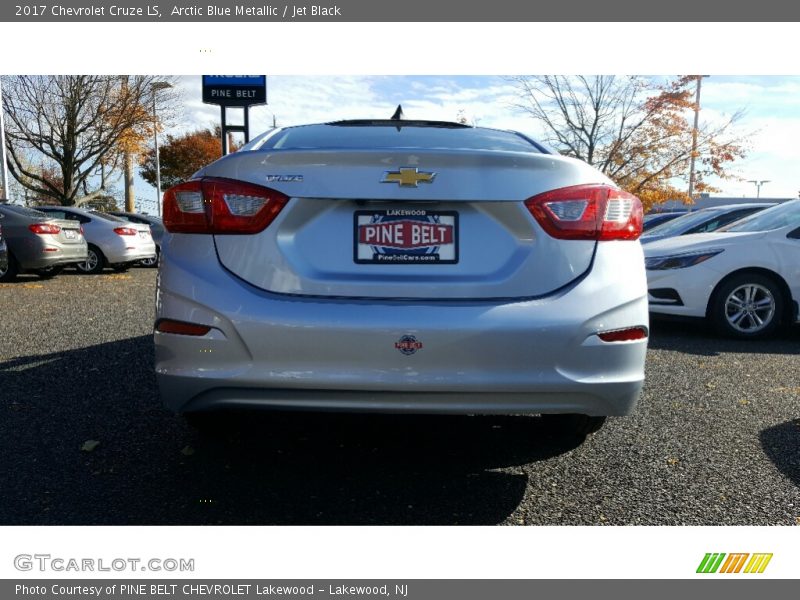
{"x": 636, "y": 131}
{"x": 77, "y": 125}
{"x": 181, "y": 156}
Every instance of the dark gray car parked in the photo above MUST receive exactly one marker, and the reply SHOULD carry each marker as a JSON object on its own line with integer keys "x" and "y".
{"x": 3, "y": 249}
{"x": 38, "y": 243}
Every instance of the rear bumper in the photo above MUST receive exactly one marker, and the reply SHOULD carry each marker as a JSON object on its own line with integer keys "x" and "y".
{"x": 64, "y": 255}
{"x": 122, "y": 250}
{"x": 490, "y": 357}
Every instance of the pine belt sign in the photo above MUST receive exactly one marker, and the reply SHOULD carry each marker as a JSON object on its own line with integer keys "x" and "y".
{"x": 235, "y": 90}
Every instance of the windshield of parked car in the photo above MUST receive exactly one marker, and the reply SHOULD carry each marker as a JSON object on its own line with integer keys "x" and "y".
{"x": 358, "y": 135}
{"x": 25, "y": 211}
{"x": 777, "y": 217}
{"x": 679, "y": 224}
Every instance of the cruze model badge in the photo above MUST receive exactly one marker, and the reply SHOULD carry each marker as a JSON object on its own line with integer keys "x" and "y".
{"x": 408, "y": 177}
{"x": 408, "y": 345}
{"x": 284, "y": 178}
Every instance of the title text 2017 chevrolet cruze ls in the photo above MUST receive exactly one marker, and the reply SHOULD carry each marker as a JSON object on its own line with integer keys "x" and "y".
{"x": 402, "y": 266}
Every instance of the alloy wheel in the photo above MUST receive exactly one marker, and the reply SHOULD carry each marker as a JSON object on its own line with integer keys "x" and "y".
{"x": 749, "y": 308}
{"x": 90, "y": 264}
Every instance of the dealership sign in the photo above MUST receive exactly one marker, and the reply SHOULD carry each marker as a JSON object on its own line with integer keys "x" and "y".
{"x": 235, "y": 90}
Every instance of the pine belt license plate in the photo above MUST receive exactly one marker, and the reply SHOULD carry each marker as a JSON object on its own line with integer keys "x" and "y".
{"x": 405, "y": 236}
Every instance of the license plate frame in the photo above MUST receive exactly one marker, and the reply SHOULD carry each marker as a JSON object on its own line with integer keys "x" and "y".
{"x": 406, "y": 236}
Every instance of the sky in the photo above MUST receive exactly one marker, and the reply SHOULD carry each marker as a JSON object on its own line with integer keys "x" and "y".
{"x": 770, "y": 119}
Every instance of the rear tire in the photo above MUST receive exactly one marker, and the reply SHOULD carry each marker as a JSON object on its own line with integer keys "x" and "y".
{"x": 747, "y": 306}
{"x": 94, "y": 263}
{"x": 49, "y": 272}
{"x": 11, "y": 270}
{"x": 574, "y": 424}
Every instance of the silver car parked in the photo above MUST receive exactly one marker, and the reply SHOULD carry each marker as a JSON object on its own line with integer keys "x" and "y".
{"x": 38, "y": 243}
{"x": 113, "y": 242}
{"x": 156, "y": 230}
{"x": 402, "y": 266}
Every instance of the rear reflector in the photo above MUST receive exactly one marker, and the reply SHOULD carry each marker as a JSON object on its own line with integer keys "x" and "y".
{"x": 214, "y": 205}
{"x": 181, "y": 328}
{"x": 44, "y": 228}
{"x": 624, "y": 335}
{"x": 125, "y": 231}
{"x": 588, "y": 212}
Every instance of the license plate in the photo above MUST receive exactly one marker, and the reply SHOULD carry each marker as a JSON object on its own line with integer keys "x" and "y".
{"x": 405, "y": 236}
{"x": 144, "y": 234}
{"x": 69, "y": 234}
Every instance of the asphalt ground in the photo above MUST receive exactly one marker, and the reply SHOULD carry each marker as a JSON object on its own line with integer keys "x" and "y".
{"x": 84, "y": 439}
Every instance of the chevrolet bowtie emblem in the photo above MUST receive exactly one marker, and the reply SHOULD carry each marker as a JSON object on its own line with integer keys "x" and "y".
{"x": 407, "y": 176}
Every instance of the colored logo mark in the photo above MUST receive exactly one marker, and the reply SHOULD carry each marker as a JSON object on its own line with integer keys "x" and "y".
{"x": 719, "y": 562}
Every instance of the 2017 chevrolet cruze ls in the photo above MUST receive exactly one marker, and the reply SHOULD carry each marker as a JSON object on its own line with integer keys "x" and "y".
{"x": 402, "y": 266}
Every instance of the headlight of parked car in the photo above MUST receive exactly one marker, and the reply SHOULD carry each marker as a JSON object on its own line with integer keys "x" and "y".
{"x": 679, "y": 261}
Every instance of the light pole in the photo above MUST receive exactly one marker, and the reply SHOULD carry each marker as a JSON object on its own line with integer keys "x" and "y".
{"x": 694, "y": 134}
{"x": 3, "y": 165}
{"x": 155, "y": 86}
{"x": 758, "y": 183}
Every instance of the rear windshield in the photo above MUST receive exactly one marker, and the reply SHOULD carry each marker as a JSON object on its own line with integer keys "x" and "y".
{"x": 367, "y": 136}
{"x": 24, "y": 211}
{"x": 107, "y": 217}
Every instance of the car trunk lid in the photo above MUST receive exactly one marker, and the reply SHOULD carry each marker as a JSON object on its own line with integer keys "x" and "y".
{"x": 405, "y": 224}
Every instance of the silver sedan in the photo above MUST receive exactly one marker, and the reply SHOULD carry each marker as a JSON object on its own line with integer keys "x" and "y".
{"x": 113, "y": 242}
{"x": 402, "y": 266}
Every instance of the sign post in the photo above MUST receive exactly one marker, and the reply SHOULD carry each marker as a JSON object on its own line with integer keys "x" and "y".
{"x": 242, "y": 91}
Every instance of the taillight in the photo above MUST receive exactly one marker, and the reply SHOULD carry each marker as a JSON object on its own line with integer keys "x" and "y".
{"x": 44, "y": 228}
{"x": 623, "y": 335}
{"x": 588, "y": 212}
{"x": 125, "y": 231}
{"x": 212, "y": 205}
{"x": 181, "y": 327}
{"x": 82, "y": 230}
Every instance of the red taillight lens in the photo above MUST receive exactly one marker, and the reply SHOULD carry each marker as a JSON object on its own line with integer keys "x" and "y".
{"x": 214, "y": 205}
{"x": 125, "y": 231}
{"x": 44, "y": 228}
{"x": 181, "y": 328}
{"x": 82, "y": 230}
{"x": 624, "y": 335}
{"x": 588, "y": 212}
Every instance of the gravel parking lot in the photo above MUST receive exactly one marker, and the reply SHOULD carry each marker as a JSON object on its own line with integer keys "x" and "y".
{"x": 84, "y": 440}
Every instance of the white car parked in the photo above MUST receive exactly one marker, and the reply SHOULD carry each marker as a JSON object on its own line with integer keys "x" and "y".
{"x": 745, "y": 279}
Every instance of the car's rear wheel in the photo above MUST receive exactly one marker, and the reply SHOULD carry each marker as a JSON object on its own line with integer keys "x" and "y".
{"x": 747, "y": 306}
{"x": 94, "y": 263}
{"x": 10, "y": 271}
{"x": 49, "y": 272}
{"x": 574, "y": 424}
